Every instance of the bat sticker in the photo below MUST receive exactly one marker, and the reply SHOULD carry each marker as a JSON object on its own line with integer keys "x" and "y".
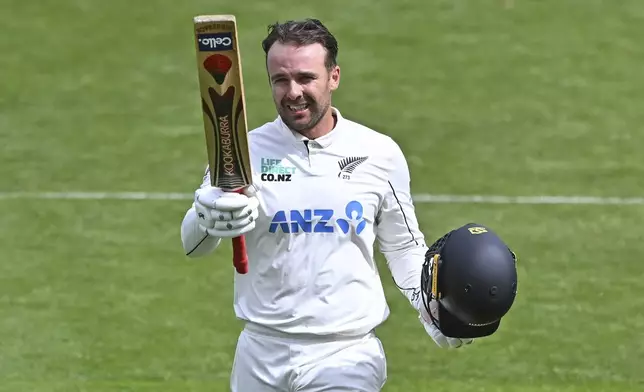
{"x": 218, "y": 66}
{"x": 230, "y": 172}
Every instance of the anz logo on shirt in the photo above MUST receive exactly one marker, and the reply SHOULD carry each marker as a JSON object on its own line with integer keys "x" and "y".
{"x": 319, "y": 220}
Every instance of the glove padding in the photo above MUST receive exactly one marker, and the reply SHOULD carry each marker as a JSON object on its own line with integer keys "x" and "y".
{"x": 226, "y": 214}
{"x": 434, "y": 332}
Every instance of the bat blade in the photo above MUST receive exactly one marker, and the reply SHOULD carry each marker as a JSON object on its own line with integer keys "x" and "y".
{"x": 223, "y": 103}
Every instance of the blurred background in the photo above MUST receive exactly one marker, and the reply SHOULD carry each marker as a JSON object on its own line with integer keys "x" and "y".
{"x": 487, "y": 97}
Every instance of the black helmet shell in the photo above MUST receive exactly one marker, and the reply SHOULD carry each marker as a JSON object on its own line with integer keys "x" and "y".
{"x": 477, "y": 279}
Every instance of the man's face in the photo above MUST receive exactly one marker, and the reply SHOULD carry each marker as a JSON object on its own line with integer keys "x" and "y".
{"x": 301, "y": 84}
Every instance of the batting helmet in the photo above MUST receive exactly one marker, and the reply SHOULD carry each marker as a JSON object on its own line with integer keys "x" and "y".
{"x": 472, "y": 275}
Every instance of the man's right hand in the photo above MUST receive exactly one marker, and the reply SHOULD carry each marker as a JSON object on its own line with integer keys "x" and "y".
{"x": 225, "y": 214}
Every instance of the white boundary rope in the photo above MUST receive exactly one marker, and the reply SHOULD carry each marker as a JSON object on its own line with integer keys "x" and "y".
{"x": 418, "y": 198}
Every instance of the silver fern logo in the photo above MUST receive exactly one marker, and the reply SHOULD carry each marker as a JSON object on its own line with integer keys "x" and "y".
{"x": 348, "y": 165}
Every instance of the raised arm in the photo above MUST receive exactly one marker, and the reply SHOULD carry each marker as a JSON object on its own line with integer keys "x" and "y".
{"x": 214, "y": 215}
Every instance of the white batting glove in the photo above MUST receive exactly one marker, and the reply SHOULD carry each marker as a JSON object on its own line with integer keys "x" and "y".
{"x": 226, "y": 214}
{"x": 435, "y": 333}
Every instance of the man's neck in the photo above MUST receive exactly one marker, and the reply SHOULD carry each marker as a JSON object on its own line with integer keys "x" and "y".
{"x": 325, "y": 126}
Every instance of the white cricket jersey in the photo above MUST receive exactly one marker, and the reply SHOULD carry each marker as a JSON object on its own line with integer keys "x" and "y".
{"x": 324, "y": 204}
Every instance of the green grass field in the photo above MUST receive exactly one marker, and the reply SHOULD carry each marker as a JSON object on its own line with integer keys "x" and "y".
{"x": 486, "y": 97}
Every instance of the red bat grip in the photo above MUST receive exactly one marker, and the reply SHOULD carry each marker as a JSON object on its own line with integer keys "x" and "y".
{"x": 240, "y": 257}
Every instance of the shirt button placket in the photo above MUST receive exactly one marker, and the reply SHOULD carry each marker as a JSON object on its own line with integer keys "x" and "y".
{"x": 314, "y": 151}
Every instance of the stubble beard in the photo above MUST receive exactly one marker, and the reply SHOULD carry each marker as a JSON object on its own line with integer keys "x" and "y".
{"x": 316, "y": 112}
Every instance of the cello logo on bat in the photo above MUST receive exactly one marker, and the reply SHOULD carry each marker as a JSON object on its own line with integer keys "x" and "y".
{"x": 215, "y": 42}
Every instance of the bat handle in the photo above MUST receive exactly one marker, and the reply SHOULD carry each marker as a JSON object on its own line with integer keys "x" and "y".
{"x": 240, "y": 257}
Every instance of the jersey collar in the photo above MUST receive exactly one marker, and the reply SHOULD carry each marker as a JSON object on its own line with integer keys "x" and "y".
{"x": 322, "y": 141}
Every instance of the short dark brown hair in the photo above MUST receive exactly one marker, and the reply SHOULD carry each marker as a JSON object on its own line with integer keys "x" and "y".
{"x": 303, "y": 32}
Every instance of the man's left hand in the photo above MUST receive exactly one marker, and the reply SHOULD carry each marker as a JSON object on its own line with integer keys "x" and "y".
{"x": 435, "y": 333}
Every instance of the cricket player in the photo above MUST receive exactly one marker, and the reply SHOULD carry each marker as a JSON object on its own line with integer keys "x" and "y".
{"x": 327, "y": 191}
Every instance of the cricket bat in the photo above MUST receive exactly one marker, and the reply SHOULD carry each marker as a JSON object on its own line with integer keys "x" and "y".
{"x": 224, "y": 110}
